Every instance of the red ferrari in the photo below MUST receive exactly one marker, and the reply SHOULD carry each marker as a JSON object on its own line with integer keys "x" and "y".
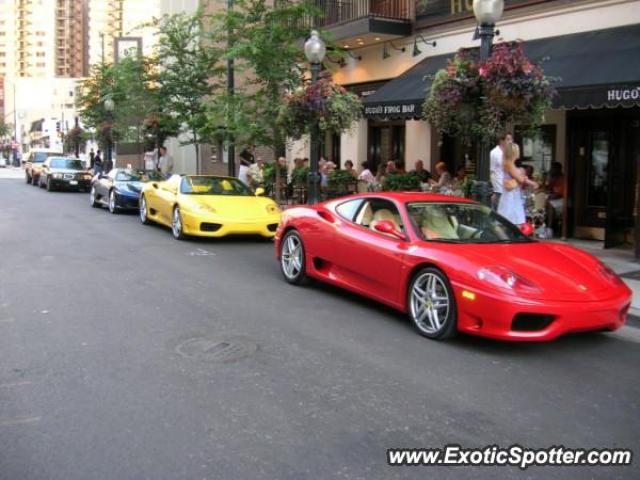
{"x": 452, "y": 265}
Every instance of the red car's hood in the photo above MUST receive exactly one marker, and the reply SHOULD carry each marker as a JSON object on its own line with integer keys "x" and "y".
{"x": 561, "y": 272}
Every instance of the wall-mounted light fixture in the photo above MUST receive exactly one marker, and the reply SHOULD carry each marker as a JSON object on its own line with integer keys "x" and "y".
{"x": 385, "y": 50}
{"x": 416, "y": 50}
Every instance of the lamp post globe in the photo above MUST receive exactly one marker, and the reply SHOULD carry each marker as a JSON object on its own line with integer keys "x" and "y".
{"x": 315, "y": 48}
{"x": 488, "y": 12}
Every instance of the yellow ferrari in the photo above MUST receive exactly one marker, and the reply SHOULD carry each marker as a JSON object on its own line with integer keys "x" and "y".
{"x": 208, "y": 206}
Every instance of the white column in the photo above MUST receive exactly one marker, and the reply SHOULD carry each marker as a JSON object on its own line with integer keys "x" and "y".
{"x": 417, "y": 143}
{"x": 353, "y": 144}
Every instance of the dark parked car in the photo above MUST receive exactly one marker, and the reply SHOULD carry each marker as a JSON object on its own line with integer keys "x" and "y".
{"x": 65, "y": 173}
{"x": 33, "y": 165}
{"x": 120, "y": 188}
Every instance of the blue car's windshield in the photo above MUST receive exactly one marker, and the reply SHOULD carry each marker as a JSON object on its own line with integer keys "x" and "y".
{"x": 213, "y": 186}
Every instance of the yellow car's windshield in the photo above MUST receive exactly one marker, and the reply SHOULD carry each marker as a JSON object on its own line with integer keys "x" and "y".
{"x": 213, "y": 186}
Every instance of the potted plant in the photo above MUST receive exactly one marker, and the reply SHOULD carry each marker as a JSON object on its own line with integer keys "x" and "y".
{"x": 472, "y": 99}
{"x": 401, "y": 182}
{"x": 324, "y": 101}
{"x": 340, "y": 182}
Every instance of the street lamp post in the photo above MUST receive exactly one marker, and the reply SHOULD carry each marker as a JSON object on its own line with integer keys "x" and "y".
{"x": 487, "y": 13}
{"x": 315, "y": 50}
{"x": 109, "y": 106}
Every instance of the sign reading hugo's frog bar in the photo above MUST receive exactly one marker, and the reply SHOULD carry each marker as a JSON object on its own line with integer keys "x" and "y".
{"x": 438, "y": 11}
{"x": 393, "y": 110}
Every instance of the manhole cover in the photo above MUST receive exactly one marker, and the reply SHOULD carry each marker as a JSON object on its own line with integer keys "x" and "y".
{"x": 222, "y": 351}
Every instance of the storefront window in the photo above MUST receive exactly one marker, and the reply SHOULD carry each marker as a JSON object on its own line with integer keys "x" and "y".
{"x": 597, "y": 170}
{"x": 538, "y": 149}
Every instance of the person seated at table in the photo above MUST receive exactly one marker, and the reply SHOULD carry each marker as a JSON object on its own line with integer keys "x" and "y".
{"x": 425, "y": 175}
{"x": 443, "y": 176}
{"x": 348, "y": 167}
{"x": 458, "y": 180}
{"x": 555, "y": 189}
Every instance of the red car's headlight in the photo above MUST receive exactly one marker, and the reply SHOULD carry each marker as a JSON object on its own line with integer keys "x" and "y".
{"x": 504, "y": 278}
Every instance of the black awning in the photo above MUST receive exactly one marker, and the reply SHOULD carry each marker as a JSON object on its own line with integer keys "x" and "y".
{"x": 594, "y": 69}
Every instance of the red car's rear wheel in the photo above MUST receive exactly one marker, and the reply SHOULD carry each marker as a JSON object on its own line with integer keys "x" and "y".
{"x": 432, "y": 305}
{"x": 292, "y": 258}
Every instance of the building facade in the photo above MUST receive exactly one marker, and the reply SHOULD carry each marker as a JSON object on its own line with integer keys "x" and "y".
{"x": 593, "y": 47}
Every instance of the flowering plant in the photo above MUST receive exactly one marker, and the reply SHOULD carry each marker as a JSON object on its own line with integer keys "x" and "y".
{"x": 331, "y": 105}
{"x": 474, "y": 99}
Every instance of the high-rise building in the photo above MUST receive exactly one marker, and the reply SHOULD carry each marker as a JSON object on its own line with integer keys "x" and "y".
{"x": 111, "y": 20}
{"x": 43, "y": 39}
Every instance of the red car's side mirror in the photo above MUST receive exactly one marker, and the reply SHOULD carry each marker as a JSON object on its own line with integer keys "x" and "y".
{"x": 388, "y": 228}
{"x": 527, "y": 229}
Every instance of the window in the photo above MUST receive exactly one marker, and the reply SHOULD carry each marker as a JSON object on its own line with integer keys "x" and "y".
{"x": 213, "y": 186}
{"x": 377, "y": 209}
{"x": 348, "y": 209}
{"x": 539, "y": 149}
{"x": 462, "y": 223}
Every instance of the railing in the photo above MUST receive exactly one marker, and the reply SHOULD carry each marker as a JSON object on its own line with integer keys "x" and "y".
{"x": 335, "y": 12}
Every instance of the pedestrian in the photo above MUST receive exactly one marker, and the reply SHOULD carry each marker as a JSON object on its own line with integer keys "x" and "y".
{"x": 246, "y": 160}
{"x": 255, "y": 173}
{"x": 497, "y": 172}
{"x": 510, "y": 205}
{"x": 97, "y": 163}
{"x": 165, "y": 162}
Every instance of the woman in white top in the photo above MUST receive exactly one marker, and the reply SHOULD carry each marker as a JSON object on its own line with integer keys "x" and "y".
{"x": 366, "y": 175}
{"x": 511, "y": 206}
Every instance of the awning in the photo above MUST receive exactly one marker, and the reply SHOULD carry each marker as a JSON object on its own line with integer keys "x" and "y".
{"x": 594, "y": 69}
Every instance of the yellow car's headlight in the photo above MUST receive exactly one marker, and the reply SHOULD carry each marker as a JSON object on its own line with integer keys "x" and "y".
{"x": 202, "y": 208}
{"x": 272, "y": 208}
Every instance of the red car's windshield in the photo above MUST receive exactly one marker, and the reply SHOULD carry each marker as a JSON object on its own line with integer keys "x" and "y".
{"x": 462, "y": 223}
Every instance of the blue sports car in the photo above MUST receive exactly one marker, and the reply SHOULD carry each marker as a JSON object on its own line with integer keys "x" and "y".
{"x": 119, "y": 189}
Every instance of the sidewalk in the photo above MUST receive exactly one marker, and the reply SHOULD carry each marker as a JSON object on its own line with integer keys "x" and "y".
{"x": 622, "y": 261}
{"x": 11, "y": 172}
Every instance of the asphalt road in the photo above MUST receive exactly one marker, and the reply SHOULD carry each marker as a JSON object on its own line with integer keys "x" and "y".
{"x": 111, "y": 336}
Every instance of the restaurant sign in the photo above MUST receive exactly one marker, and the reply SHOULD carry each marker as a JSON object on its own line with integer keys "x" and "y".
{"x": 394, "y": 110}
{"x": 598, "y": 96}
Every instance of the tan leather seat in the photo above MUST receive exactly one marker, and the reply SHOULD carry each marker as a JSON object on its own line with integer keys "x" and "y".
{"x": 437, "y": 225}
{"x": 365, "y": 216}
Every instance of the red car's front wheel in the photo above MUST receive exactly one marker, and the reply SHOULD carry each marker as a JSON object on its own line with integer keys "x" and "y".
{"x": 432, "y": 305}
{"x": 292, "y": 258}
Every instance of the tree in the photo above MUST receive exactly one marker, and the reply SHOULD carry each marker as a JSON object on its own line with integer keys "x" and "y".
{"x": 189, "y": 73}
{"x": 264, "y": 40}
{"x": 132, "y": 85}
{"x": 5, "y": 129}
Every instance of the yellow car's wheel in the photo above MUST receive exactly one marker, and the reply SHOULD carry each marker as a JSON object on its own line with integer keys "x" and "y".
{"x": 176, "y": 225}
{"x": 144, "y": 211}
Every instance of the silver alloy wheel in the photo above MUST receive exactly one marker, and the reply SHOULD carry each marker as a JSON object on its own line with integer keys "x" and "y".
{"x": 176, "y": 225}
{"x": 430, "y": 303}
{"x": 112, "y": 201}
{"x": 291, "y": 257}
{"x": 143, "y": 209}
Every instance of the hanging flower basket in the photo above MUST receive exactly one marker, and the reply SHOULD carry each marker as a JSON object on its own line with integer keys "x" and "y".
{"x": 473, "y": 99}
{"x": 335, "y": 109}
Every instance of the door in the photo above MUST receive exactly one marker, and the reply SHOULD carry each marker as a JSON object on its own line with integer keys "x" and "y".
{"x": 386, "y": 142}
{"x": 622, "y": 181}
{"x": 368, "y": 260}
